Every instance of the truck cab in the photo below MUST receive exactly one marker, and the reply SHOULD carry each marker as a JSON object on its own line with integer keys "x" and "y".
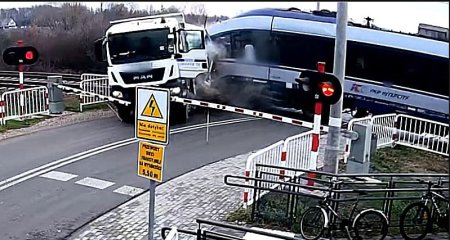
{"x": 160, "y": 50}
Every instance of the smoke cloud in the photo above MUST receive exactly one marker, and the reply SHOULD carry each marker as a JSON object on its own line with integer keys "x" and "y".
{"x": 231, "y": 91}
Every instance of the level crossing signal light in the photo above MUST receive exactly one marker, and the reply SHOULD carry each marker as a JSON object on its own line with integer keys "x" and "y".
{"x": 20, "y": 55}
{"x": 325, "y": 87}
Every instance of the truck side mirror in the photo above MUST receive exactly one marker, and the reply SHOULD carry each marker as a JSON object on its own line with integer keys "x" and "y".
{"x": 100, "y": 50}
{"x": 177, "y": 55}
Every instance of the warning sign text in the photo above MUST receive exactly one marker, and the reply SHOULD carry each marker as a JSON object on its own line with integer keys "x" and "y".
{"x": 150, "y": 161}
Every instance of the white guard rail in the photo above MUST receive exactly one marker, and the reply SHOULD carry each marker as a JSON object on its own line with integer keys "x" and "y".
{"x": 422, "y": 134}
{"x": 23, "y": 103}
{"x": 384, "y": 127}
{"x": 93, "y": 83}
{"x": 297, "y": 151}
{"x": 269, "y": 156}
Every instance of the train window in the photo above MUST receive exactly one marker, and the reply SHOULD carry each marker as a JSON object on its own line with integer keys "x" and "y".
{"x": 399, "y": 67}
{"x": 260, "y": 39}
{"x": 304, "y": 51}
{"x": 222, "y": 43}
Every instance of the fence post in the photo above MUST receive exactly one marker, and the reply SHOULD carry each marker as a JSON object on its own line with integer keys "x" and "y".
{"x": 315, "y": 140}
{"x": 2, "y": 106}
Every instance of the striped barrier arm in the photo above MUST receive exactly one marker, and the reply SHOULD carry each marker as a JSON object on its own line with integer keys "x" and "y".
{"x": 108, "y": 98}
{"x": 249, "y": 112}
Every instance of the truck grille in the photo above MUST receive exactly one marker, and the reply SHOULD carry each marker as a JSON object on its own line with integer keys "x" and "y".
{"x": 153, "y": 75}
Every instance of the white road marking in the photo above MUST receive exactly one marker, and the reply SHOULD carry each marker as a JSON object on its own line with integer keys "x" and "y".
{"x": 60, "y": 176}
{"x": 129, "y": 190}
{"x": 7, "y": 183}
{"x": 94, "y": 183}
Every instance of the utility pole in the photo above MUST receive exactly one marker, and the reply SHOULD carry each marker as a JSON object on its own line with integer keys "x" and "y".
{"x": 331, "y": 161}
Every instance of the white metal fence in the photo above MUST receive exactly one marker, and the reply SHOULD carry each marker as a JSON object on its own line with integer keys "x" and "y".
{"x": 422, "y": 134}
{"x": 23, "y": 103}
{"x": 271, "y": 156}
{"x": 410, "y": 131}
{"x": 297, "y": 151}
{"x": 93, "y": 83}
{"x": 384, "y": 127}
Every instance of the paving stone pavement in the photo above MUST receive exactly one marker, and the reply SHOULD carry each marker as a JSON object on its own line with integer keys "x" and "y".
{"x": 197, "y": 194}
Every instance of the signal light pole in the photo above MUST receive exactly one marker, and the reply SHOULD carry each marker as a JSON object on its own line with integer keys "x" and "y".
{"x": 331, "y": 160}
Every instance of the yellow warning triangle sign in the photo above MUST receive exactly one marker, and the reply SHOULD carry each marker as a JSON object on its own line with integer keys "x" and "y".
{"x": 152, "y": 109}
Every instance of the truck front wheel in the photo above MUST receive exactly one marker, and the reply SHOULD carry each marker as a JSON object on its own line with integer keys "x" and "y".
{"x": 126, "y": 113}
{"x": 179, "y": 113}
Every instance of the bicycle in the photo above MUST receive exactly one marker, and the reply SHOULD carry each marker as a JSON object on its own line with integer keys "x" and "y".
{"x": 365, "y": 222}
{"x": 422, "y": 217}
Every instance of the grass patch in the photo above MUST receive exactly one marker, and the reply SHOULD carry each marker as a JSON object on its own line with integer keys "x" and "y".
{"x": 408, "y": 160}
{"x": 16, "y": 124}
{"x": 239, "y": 216}
{"x": 72, "y": 104}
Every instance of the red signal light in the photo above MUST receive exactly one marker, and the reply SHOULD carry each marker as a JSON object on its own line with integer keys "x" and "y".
{"x": 321, "y": 67}
{"x": 327, "y": 89}
{"x": 29, "y": 55}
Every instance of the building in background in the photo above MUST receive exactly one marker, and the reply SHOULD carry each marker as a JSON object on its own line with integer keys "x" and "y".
{"x": 434, "y": 32}
{"x": 8, "y": 23}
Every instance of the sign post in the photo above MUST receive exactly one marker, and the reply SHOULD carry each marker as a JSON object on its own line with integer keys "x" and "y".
{"x": 152, "y": 129}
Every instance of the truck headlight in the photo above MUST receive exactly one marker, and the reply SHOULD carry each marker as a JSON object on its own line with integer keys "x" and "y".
{"x": 175, "y": 90}
{"x": 117, "y": 94}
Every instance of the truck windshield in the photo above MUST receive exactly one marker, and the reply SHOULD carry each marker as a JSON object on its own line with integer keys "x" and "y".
{"x": 139, "y": 46}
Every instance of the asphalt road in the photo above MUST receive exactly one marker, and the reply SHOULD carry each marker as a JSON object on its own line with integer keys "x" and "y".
{"x": 44, "y": 208}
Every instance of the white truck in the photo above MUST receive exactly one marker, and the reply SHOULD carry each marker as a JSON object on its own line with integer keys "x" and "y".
{"x": 159, "y": 50}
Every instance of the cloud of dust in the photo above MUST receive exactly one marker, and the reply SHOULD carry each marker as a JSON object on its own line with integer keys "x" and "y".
{"x": 229, "y": 90}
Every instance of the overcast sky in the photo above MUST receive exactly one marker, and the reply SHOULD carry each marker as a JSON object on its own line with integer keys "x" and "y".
{"x": 403, "y": 16}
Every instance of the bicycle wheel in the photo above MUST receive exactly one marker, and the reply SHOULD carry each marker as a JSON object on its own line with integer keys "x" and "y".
{"x": 370, "y": 224}
{"x": 415, "y": 221}
{"x": 312, "y": 223}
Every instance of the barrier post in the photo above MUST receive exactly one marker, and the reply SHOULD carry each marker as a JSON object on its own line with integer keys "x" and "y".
{"x": 20, "y": 68}
{"x": 2, "y": 108}
{"x": 316, "y": 131}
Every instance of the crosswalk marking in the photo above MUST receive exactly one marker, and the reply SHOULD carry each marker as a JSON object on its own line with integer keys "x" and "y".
{"x": 129, "y": 190}
{"x": 94, "y": 183}
{"x": 60, "y": 176}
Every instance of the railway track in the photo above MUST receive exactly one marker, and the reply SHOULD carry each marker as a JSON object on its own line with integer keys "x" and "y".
{"x": 11, "y": 79}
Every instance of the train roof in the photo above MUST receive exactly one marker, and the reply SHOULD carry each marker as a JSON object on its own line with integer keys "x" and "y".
{"x": 322, "y": 23}
{"x": 295, "y": 13}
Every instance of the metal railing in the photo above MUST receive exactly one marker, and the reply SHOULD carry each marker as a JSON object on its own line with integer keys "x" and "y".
{"x": 383, "y": 126}
{"x": 23, "y": 103}
{"x": 388, "y": 192}
{"x": 422, "y": 134}
{"x": 93, "y": 83}
{"x": 204, "y": 233}
{"x": 409, "y": 131}
{"x": 297, "y": 150}
{"x": 269, "y": 155}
